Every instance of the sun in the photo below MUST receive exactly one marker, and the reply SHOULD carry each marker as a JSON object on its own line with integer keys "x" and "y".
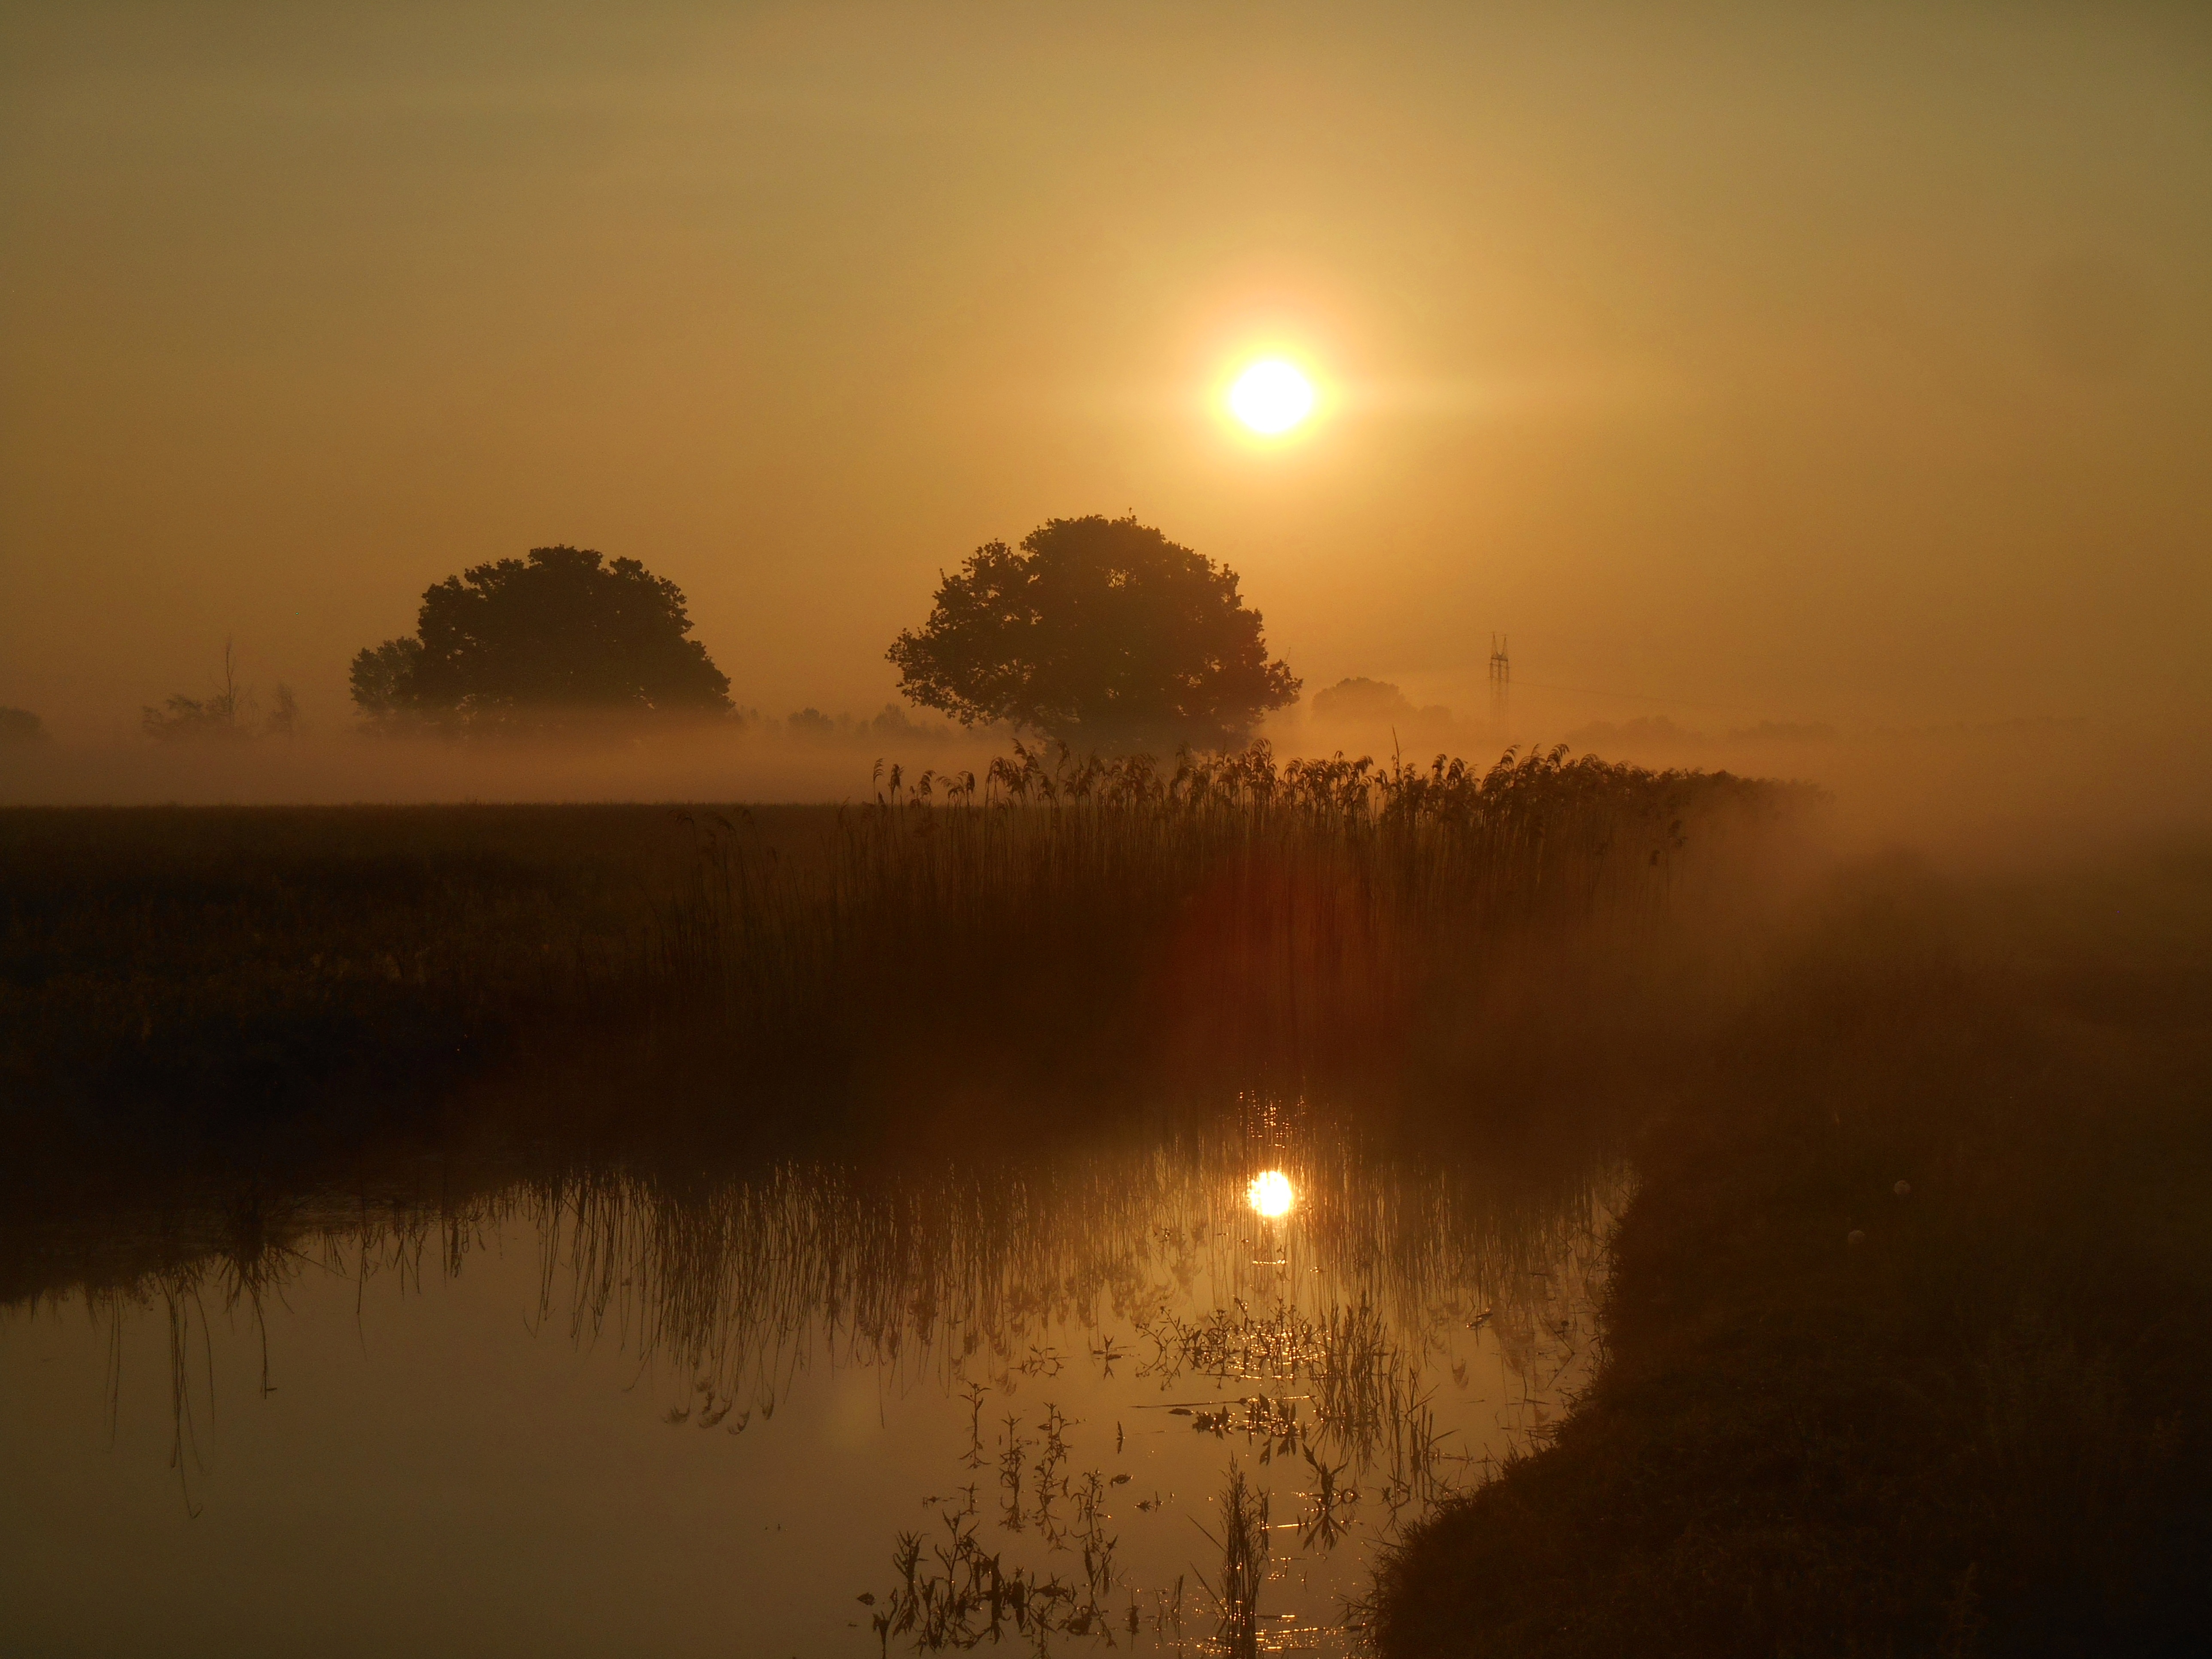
{"x": 1271, "y": 397}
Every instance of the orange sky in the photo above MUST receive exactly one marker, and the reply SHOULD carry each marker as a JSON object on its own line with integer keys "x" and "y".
{"x": 1848, "y": 362}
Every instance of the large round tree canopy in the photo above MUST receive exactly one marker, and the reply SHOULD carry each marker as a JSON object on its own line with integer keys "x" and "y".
{"x": 1098, "y": 631}
{"x": 564, "y": 631}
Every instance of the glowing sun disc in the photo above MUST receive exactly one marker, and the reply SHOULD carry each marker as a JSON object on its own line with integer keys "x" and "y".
{"x": 1271, "y": 1192}
{"x": 1271, "y": 397}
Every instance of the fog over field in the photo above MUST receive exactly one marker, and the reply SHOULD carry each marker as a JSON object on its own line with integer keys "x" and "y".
{"x": 1818, "y": 365}
{"x": 1971, "y": 796}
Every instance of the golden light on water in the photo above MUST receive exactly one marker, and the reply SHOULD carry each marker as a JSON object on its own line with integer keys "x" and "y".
{"x": 1271, "y": 397}
{"x": 1271, "y": 1194}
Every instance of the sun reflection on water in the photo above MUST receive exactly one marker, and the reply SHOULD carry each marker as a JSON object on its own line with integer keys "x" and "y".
{"x": 1271, "y": 1194}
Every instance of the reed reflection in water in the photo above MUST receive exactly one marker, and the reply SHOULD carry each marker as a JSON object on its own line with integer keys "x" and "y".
{"x": 1054, "y": 1399}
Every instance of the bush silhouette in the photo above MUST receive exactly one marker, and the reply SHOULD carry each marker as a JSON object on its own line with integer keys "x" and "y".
{"x": 226, "y": 714}
{"x": 20, "y": 725}
{"x": 1099, "y": 632}
{"x": 1363, "y": 699}
{"x": 528, "y": 641}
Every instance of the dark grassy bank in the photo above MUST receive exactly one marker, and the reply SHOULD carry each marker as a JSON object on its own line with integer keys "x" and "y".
{"x": 1842, "y": 1415}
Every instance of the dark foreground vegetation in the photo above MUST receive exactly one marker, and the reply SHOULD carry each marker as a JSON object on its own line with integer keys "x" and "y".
{"x": 1911, "y": 1322}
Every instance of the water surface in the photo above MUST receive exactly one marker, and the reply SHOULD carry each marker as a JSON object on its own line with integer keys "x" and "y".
{"x": 1058, "y": 1400}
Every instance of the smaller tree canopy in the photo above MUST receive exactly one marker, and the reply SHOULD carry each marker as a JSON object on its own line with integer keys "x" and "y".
{"x": 565, "y": 630}
{"x": 20, "y": 725}
{"x": 1098, "y": 631}
{"x": 1362, "y": 699}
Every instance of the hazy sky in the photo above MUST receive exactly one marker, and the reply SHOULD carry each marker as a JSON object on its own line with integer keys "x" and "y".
{"x": 1848, "y": 361}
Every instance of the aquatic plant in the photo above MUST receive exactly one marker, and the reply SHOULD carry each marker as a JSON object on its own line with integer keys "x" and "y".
{"x": 1242, "y": 1542}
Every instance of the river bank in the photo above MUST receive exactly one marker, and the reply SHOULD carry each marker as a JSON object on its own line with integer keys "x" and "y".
{"x": 1909, "y": 1323}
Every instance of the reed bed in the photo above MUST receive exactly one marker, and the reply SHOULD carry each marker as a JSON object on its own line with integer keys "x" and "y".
{"x": 1266, "y": 904}
{"x": 1057, "y": 917}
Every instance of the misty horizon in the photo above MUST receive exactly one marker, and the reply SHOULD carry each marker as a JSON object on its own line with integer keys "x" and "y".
{"x": 1874, "y": 397}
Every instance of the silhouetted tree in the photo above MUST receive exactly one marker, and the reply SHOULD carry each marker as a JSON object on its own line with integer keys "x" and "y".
{"x": 891, "y": 726}
{"x": 1362, "y": 699}
{"x": 20, "y": 725}
{"x": 223, "y": 715}
{"x": 563, "y": 632}
{"x": 384, "y": 679}
{"x": 1098, "y": 631}
{"x": 1362, "y": 702}
{"x": 192, "y": 720}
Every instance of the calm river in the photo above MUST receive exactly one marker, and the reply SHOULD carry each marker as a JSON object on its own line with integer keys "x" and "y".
{"x": 1168, "y": 1397}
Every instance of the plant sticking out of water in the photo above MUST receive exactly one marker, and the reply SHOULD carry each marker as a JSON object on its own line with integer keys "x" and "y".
{"x": 1325, "y": 1524}
{"x": 1046, "y": 1478}
{"x": 1244, "y": 1562}
{"x": 953, "y": 1592}
{"x": 974, "y": 1393}
{"x": 1012, "y": 1458}
{"x": 1272, "y": 1424}
{"x": 1361, "y": 1383}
